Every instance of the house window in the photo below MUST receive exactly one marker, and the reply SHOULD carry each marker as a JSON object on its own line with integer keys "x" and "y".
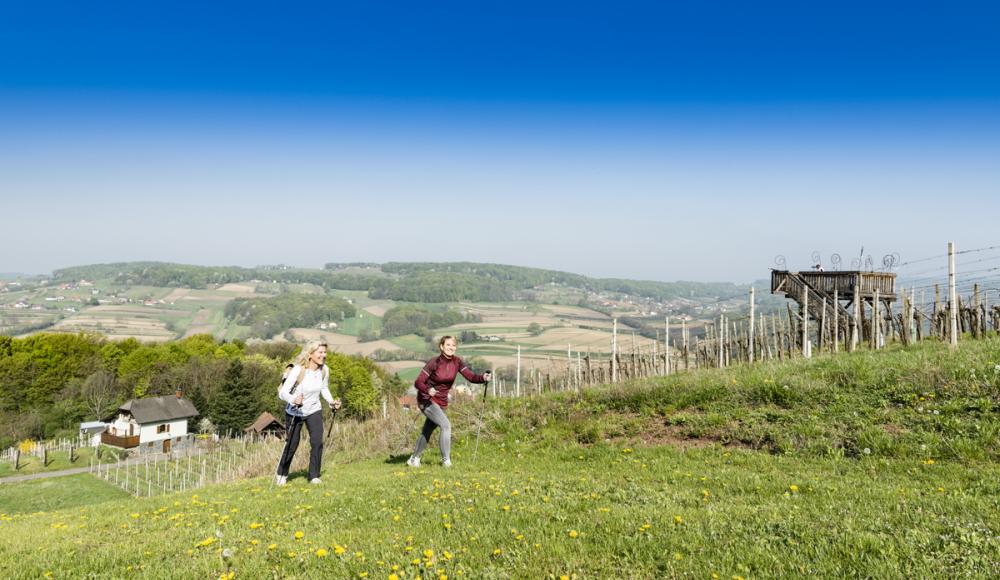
{"x": 165, "y": 428}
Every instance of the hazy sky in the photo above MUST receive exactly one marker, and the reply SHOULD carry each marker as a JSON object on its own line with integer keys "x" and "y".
{"x": 630, "y": 139}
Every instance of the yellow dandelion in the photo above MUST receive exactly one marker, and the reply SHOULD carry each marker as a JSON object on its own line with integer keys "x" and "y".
{"x": 393, "y": 577}
{"x": 299, "y": 535}
{"x": 255, "y": 526}
{"x": 573, "y": 533}
{"x": 321, "y": 553}
{"x": 678, "y": 520}
{"x": 793, "y": 488}
{"x": 272, "y": 546}
{"x": 338, "y": 549}
{"x": 497, "y": 552}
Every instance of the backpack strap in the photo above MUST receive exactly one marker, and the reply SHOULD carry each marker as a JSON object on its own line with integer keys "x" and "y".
{"x": 298, "y": 379}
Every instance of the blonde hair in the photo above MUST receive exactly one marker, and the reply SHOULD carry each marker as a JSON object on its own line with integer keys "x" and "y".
{"x": 308, "y": 350}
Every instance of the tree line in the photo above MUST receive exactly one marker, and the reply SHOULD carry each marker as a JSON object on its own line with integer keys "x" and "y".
{"x": 411, "y": 319}
{"x": 268, "y": 317}
{"x": 49, "y": 383}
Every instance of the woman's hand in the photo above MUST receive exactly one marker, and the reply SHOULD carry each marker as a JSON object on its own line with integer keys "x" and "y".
{"x": 487, "y": 376}
{"x": 432, "y": 391}
{"x": 298, "y": 400}
{"x": 335, "y": 405}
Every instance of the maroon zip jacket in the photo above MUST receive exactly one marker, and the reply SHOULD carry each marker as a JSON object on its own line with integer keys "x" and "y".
{"x": 440, "y": 373}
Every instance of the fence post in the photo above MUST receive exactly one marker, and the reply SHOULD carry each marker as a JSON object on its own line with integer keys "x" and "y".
{"x": 805, "y": 322}
{"x": 952, "y": 299}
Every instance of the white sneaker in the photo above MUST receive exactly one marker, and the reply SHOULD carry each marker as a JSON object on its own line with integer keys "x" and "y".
{"x": 447, "y": 463}
{"x": 413, "y": 461}
{"x": 315, "y": 481}
{"x": 280, "y": 479}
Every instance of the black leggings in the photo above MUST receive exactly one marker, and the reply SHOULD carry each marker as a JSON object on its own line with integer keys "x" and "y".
{"x": 314, "y": 423}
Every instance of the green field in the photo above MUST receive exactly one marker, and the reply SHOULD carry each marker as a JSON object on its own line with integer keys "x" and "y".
{"x": 410, "y": 342}
{"x": 409, "y": 375}
{"x": 362, "y": 321}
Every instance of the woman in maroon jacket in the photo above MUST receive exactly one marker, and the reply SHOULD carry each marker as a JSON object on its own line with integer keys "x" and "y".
{"x": 433, "y": 384}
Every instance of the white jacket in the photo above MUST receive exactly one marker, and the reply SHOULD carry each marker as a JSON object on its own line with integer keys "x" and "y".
{"x": 314, "y": 384}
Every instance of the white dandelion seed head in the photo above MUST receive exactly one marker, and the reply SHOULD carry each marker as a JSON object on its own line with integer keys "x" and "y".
{"x": 227, "y": 553}
{"x": 868, "y": 451}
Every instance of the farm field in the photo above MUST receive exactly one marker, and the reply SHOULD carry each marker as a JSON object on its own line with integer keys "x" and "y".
{"x": 342, "y": 343}
{"x": 114, "y": 321}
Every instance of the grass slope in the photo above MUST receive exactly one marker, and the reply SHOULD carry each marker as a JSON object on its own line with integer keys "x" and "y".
{"x": 57, "y": 493}
{"x": 764, "y": 474}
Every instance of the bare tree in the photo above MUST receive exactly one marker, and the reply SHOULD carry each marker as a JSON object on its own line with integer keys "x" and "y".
{"x": 99, "y": 392}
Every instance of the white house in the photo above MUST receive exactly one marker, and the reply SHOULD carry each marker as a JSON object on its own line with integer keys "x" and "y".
{"x": 152, "y": 425}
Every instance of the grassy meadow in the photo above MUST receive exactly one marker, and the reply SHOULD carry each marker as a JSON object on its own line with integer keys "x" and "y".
{"x": 862, "y": 465}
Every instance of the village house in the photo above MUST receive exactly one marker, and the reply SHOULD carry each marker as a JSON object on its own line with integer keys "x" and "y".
{"x": 151, "y": 425}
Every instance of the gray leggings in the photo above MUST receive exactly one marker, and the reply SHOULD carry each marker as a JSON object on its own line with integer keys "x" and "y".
{"x": 435, "y": 418}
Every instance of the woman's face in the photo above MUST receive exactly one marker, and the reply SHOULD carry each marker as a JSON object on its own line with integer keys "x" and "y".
{"x": 449, "y": 347}
{"x": 318, "y": 357}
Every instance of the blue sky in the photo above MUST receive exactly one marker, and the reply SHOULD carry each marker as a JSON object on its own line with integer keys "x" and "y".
{"x": 634, "y": 139}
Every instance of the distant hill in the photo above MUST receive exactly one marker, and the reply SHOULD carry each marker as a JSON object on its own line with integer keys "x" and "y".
{"x": 404, "y": 281}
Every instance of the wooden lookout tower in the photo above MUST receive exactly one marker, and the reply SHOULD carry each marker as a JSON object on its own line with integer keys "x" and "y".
{"x": 837, "y": 301}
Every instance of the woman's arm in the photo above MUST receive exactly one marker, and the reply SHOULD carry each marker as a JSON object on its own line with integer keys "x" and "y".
{"x": 469, "y": 375}
{"x": 325, "y": 391}
{"x": 425, "y": 374}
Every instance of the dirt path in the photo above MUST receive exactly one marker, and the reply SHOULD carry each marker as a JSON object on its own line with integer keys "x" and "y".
{"x": 74, "y": 470}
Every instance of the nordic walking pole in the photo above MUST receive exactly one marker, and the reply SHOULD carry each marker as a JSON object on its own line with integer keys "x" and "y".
{"x": 482, "y": 410}
{"x": 333, "y": 414}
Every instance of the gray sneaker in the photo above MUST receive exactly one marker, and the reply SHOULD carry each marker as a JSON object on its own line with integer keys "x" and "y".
{"x": 413, "y": 461}
{"x": 280, "y": 479}
{"x": 447, "y": 463}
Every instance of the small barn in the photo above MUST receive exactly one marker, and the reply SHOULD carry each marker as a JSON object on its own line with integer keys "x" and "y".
{"x": 266, "y": 424}
{"x": 90, "y": 432}
{"x": 153, "y": 424}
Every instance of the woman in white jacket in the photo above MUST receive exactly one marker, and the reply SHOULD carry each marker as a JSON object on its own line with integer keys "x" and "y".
{"x": 302, "y": 388}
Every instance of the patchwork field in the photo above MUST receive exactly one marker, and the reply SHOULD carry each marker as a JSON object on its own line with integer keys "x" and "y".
{"x": 164, "y": 313}
{"x": 342, "y": 343}
{"x": 141, "y": 322}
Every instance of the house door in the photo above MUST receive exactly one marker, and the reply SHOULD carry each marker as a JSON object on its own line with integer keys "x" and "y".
{"x": 166, "y": 445}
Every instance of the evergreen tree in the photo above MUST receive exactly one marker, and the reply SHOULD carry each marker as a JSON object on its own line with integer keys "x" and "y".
{"x": 237, "y": 404}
